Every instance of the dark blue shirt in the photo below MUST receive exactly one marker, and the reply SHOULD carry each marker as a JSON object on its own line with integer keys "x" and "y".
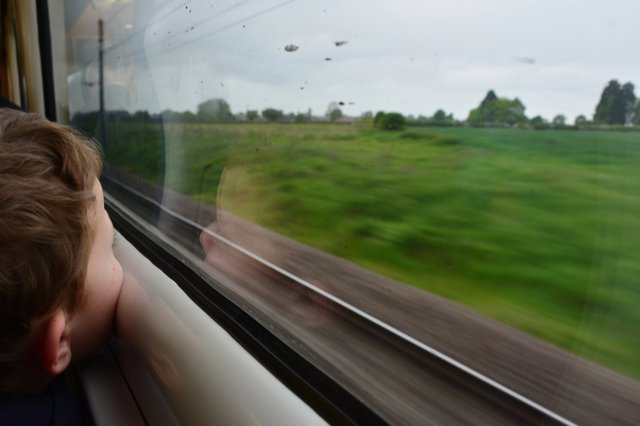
{"x": 56, "y": 406}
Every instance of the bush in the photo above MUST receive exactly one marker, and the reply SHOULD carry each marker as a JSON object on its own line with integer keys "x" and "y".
{"x": 391, "y": 121}
{"x": 447, "y": 140}
{"x": 272, "y": 114}
{"x": 415, "y": 135}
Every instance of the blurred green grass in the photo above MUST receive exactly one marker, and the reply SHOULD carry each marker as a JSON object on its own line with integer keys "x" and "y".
{"x": 538, "y": 229}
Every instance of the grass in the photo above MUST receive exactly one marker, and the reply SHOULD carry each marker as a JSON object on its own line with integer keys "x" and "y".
{"x": 537, "y": 229}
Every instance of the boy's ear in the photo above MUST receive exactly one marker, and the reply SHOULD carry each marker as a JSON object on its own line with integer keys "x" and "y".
{"x": 54, "y": 347}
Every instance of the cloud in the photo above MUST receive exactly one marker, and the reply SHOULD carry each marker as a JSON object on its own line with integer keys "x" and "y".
{"x": 486, "y": 75}
{"x": 413, "y": 56}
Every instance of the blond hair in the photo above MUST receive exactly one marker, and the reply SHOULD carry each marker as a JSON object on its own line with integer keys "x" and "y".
{"x": 47, "y": 172}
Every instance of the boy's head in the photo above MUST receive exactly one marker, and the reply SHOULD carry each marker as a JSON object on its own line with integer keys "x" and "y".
{"x": 59, "y": 281}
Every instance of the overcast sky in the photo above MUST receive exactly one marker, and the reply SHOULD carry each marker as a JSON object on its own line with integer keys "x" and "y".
{"x": 410, "y": 56}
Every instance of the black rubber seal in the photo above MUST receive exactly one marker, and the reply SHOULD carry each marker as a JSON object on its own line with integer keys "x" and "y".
{"x": 46, "y": 59}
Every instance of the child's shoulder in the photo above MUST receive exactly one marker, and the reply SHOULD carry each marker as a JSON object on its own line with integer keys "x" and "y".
{"x": 55, "y": 406}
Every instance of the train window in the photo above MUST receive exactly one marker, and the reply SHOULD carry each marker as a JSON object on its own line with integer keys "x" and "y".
{"x": 434, "y": 204}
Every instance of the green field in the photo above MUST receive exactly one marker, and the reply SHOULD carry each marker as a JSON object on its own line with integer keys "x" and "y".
{"x": 538, "y": 229}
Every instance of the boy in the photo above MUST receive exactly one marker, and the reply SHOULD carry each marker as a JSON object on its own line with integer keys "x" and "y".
{"x": 59, "y": 279}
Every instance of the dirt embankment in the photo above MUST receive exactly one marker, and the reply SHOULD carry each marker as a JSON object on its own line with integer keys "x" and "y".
{"x": 580, "y": 390}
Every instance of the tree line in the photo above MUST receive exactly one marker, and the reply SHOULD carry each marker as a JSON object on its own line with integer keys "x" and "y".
{"x": 618, "y": 106}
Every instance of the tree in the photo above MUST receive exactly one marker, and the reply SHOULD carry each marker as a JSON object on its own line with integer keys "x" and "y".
{"x": 636, "y": 113}
{"x": 170, "y": 115}
{"x": 442, "y": 118}
{"x": 335, "y": 114}
{"x": 118, "y": 116}
{"x": 333, "y": 111}
{"x": 272, "y": 114}
{"x": 580, "y": 120}
{"x": 494, "y": 110}
{"x": 608, "y": 98}
{"x": 392, "y": 121}
{"x": 512, "y": 112}
{"x": 188, "y": 117}
{"x": 489, "y": 98}
{"x": 141, "y": 117}
{"x": 559, "y": 120}
{"x": 422, "y": 119}
{"x": 616, "y": 105}
{"x": 378, "y": 117}
{"x": 629, "y": 101}
{"x": 439, "y": 116}
{"x": 252, "y": 115}
{"x": 214, "y": 110}
{"x": 538, "y": 122}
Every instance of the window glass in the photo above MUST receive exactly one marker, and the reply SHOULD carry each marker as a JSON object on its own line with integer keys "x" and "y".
{"x": 381, "y": 180}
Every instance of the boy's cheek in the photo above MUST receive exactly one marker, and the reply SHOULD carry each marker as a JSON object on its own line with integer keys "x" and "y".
{"x": 118, "y": 274}
{"x": 94, "y": 324}
{"x": 132, "y": 304}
